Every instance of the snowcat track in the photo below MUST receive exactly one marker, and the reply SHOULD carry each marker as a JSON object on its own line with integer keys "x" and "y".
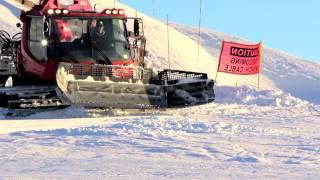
{"x": 30, "y": 97}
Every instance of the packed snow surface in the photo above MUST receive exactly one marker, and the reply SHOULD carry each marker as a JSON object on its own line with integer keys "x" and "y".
{"x": 271, "y": 133}
{"x": 245, "y": 134}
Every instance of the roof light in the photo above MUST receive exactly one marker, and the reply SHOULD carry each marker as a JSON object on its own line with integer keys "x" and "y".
{"x": 114, "y": 12}
{"x": 65, "y": 11}
{"x": 108, "y": 11}
{"x": 58, "y": 11}
{"x": 121, "y": 12}
{"x": 50, "y": 11}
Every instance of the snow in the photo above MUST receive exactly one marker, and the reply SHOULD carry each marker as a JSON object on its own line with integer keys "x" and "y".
{"x": 247, "y": 134}
{"x": 267, "y": 133}
{"x": 10, "y": 13}
{"x": 239, "y": 141}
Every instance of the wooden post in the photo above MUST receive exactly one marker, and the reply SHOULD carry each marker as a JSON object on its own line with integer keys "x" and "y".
{"x": 199, "y": 31}
{"x": 221, "y": 50}
{"x": 260, "y": 65}
{"x": 168, "y": 37}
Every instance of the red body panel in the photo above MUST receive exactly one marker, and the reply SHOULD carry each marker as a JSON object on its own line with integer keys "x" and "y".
{"x": 46, "y": 70}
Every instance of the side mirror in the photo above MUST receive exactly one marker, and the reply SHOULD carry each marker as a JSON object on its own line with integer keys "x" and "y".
{"x": 46, "y": 26}
{"x": 46, "y": 29}
{"x": 136, "y": 27}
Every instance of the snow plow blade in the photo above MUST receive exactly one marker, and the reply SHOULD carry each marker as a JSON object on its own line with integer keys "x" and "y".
{"x": 131, "y": 87}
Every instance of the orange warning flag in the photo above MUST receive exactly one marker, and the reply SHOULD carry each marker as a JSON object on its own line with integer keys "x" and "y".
{"x": 240, "y": 59}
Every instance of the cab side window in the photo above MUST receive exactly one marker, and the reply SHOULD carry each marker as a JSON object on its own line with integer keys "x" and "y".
{"x": 35, "y": 38}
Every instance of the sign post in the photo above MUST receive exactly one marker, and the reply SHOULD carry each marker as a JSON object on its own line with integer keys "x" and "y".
{"x": 221, "y": 50}
{"x": 260, "y": 66}
{"x": 199, "y": 30}
{"x": 168, "y": 38}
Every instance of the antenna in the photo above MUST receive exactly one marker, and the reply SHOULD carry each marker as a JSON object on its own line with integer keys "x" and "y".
{"x": 153, "y": 8}
{"x": 199, "y": 30}
{"x": 168, "y": 38}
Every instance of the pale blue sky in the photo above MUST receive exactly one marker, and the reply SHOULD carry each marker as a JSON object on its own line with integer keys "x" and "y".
{"x": 289, "y": 25}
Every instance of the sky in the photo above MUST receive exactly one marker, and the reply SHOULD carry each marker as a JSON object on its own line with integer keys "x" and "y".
{"x": 289, "y": 25}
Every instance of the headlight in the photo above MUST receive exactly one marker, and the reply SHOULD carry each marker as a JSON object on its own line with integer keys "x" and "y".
{"x": 108, "y": 11}
{"x": 58, "y": 11}
{"x": 114, "y": 11}
{"x": 65, "y": 11}
{"x": 121, "y": 12}
{"x": 50, "y": 11}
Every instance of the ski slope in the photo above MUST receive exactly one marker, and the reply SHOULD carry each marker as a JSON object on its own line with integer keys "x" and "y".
{"x": 288, "y": 73}
{"x": 270, "y": 133}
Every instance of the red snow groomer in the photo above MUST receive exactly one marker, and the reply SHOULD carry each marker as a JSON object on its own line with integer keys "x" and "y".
{"x": 69, "y": 53}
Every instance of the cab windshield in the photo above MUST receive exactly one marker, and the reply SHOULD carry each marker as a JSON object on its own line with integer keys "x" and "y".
{"x": 88, "y": 39}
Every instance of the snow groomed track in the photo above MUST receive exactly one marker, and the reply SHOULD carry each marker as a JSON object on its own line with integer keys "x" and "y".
{"x": 264, "y": 133}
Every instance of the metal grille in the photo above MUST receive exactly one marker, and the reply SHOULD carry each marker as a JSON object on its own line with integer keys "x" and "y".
{"x": 173, "y": 75}
{"x": 101, "y": 71}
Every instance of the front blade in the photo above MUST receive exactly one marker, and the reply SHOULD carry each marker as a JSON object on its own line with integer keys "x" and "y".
{"x": 106, "y": 92}
{"x": 128, "y": 87}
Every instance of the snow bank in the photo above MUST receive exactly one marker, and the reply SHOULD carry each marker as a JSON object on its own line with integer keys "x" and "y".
{"x": 250, "y": 96}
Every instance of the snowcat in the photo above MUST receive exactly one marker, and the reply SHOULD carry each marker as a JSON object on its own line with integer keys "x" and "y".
{"x": 68, "y": 53}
